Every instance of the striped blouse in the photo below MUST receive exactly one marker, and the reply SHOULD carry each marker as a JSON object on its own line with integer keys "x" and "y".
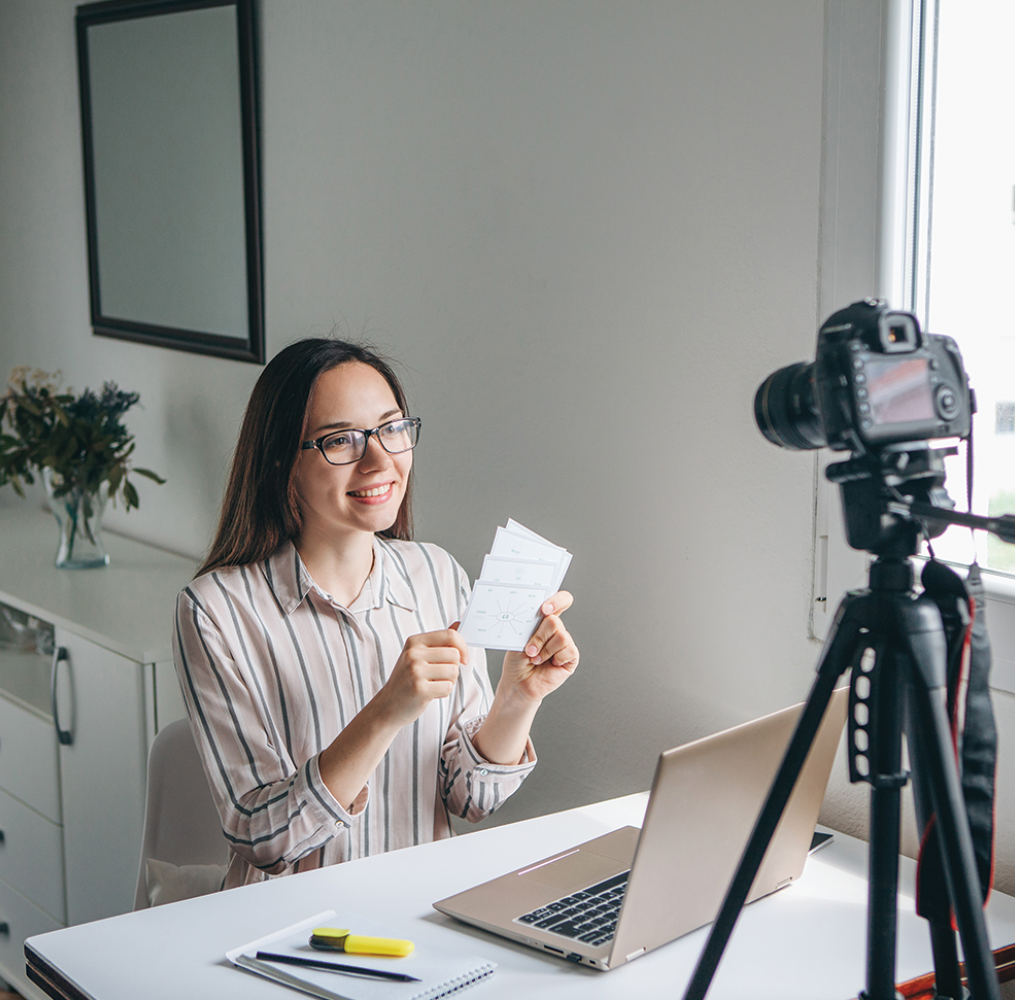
{"x": 272, "y": 669}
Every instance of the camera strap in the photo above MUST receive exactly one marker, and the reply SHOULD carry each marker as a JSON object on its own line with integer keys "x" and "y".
{"x": 974, "y": 731}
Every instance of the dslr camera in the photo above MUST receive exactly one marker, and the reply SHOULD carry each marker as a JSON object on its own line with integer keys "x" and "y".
{"x": 877, "y": 383}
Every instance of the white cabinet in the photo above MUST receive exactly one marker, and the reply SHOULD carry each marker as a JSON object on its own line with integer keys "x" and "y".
{"x": 102, "y": 775}
{"x": 32, "y": 883}
{"x": 75, "y": 728}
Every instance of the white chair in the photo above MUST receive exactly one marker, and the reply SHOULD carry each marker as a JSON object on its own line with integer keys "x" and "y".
{"x": 182, "y": 833}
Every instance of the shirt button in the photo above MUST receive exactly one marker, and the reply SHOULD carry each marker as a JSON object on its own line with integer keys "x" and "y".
{"x": 483, "y": 771}
{"x": 339, "y": 823}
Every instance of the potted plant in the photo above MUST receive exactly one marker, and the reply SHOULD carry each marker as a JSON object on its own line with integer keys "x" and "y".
{"x": 82, "y": 449}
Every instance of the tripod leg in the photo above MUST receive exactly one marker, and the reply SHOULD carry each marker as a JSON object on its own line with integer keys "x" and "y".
{"x": 947, "y": 981}
{"x": 887, "y": 780}
{"x": 835, "y": 660}
{"x": 934, "y": 751}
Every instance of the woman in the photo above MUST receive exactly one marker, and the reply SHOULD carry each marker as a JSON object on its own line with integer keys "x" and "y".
{"x": 336, "y": 708}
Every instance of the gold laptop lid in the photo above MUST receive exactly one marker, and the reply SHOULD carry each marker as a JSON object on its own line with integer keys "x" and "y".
{"x": 705, "y": 799}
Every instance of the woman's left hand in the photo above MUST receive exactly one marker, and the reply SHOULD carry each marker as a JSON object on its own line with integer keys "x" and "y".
{"x": 549, "y": 658}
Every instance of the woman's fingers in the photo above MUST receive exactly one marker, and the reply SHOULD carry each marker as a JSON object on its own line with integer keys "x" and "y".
{"x": 427, "y": 669}
{"x": 550, "y": 638}
{"x": 442, "y": 645}
{"x": 460, "y": 644}
{"x": 557, "y": 604}
{"x": 551, "y": 641}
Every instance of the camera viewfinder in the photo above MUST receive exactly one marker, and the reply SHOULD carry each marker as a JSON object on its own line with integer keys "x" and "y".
{"x": 899, "y": 333}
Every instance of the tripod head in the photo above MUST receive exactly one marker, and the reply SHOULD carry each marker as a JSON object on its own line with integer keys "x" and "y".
{"x": 893, "y": 497}
{"x": 877, "y": 489}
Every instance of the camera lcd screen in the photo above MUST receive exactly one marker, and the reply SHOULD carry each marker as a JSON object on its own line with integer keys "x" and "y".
{"x": 899, "y": 390}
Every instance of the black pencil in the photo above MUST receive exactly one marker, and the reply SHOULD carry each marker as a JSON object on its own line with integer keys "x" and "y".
{"x": 351, "y": 970}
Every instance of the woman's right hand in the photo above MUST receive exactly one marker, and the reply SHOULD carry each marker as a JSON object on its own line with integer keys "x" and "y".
{"x": 426, "y": 669}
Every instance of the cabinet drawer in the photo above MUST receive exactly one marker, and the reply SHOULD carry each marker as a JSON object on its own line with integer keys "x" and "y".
{"x": 31, "y": 855}
{"x": 23, "y": 920}
{"x": 28, "y": 759}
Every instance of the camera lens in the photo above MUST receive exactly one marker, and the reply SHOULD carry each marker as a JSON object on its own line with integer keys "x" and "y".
{"x": 785, "y": 410}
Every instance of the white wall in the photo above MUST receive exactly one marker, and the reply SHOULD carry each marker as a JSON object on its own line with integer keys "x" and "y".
{"x": 187, "y": 421}
{"x": 588, "y": 230}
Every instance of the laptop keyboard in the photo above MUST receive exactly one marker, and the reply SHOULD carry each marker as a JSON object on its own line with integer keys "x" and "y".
{"x": 589, "y": 916}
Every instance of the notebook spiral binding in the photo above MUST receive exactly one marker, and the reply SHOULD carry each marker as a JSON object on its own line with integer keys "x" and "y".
{"x": 459, "y": 984}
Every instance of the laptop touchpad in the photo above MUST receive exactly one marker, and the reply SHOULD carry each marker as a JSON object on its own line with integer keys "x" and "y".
{"x": 575, "y": 870}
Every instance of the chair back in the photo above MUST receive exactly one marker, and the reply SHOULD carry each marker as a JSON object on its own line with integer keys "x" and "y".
{"x": 182, "y": 826}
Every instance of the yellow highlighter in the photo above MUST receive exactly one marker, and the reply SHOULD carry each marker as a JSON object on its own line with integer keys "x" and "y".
{"x": 341, "y": 939}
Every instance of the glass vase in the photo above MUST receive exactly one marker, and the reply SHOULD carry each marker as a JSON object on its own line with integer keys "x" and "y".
{"x": 79, "y": 515}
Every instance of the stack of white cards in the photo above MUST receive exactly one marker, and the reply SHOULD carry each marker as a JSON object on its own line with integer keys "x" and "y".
{"x": 520, "y": 573}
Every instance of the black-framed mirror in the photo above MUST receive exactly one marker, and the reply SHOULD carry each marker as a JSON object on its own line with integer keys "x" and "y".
{"x": 171, "y": 160}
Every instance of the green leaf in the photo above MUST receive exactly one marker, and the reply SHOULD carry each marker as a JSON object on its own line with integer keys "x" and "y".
{"x": 148, "y": 474}
{"x": 129, "y": 494}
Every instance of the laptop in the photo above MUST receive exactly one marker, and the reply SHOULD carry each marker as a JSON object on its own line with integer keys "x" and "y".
{"x": 612, "y": 899}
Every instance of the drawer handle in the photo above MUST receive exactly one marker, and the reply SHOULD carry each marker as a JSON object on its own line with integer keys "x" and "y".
{"x": 63, "y": 735}
{"x": 3, "y": 837}
{"x": 5, "y": 928}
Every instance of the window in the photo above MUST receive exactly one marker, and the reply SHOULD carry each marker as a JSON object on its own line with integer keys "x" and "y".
{"x": 917, "y": 207}
{"x": 961, "y": 274}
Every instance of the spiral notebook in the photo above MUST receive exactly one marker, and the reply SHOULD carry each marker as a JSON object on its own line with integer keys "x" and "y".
{"x": 441, "y": 972}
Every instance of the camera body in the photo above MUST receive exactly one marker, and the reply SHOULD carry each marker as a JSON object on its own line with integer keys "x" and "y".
{"x": 876, "y": 381}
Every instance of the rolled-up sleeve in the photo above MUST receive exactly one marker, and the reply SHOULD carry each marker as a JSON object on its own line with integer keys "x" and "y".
{"x": 274, "y": 810}
{"x": 471, "y": 786}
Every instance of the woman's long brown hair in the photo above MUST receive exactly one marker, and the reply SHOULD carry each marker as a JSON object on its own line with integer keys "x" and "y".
{"x": 260, "y": 509}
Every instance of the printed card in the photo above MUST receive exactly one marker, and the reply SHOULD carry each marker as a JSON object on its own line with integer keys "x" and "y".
{"x": 526, "y": 572}
{"x": 502, "y": 616}
{"x": 521, "y": 571}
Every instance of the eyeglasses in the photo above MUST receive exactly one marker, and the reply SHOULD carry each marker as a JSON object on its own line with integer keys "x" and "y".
{"x": 348, "y": 446}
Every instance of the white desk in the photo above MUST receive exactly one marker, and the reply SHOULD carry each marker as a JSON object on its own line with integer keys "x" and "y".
{"x": 806, "y": 942}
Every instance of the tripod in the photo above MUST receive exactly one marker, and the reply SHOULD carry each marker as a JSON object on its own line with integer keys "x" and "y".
{"x": 894, "y": 641}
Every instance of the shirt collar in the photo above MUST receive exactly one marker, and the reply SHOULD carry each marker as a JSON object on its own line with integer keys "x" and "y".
{"x": 290, "y": 582}
{"x": 287, "y": 577}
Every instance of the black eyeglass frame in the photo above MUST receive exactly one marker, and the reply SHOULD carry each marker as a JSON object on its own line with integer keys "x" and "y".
{"x": 318, "y": 443}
